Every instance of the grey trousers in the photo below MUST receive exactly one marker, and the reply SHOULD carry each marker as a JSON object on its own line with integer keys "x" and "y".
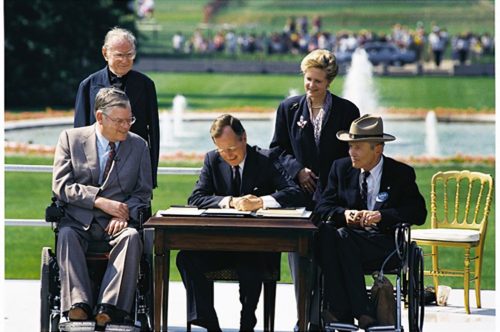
{"x": 120, "y": 278}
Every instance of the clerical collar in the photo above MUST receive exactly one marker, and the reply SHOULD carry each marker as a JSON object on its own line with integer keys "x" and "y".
{"x": 117, "y": 81}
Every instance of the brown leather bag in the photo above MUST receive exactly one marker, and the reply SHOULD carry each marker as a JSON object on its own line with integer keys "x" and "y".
{"x": 383, "y": 300}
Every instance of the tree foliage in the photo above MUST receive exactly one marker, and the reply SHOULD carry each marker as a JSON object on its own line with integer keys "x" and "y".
{"x": 50, "y": 46}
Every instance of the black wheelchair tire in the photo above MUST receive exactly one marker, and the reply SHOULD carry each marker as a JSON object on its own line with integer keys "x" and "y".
{"x": 416, "y": 304}
{"x": 44, "y": 290}
{"x": 149, "y": 295}
{"x": 54, "y": 322}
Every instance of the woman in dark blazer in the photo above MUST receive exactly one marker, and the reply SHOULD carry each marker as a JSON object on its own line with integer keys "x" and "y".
{"x": 304, "y": 136}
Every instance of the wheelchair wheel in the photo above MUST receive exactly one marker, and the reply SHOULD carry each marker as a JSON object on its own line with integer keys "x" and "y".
{"x": 49, "y": 320}
{"x": 415, "y": 288}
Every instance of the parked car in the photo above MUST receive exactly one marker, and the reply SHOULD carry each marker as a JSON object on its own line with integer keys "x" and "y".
{"x": 380, "y": 53}
{"x": 388, "y": 54}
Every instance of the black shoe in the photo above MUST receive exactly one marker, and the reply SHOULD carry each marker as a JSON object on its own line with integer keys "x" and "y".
{"x": 329, "y": 317}
{"x": 314, "y": 328}
{"x": 79, "y": 312}
{"x": 366, "y": 321}
{"x": 105, "y": 314}
{"x": 247, "y": 321}
{"x": 210, "y": 325}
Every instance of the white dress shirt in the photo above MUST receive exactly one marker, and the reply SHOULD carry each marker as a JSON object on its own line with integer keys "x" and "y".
{"x": 268, "y": 201}
{"x": 373, "y": 182}
{"x": 103, "y": 150}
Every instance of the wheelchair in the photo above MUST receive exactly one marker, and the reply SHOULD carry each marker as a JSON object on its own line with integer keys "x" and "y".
{"x": 408, "y": 268}
{"x": 51, "y": 317}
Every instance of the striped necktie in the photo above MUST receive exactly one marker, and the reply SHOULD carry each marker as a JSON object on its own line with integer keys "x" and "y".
{"x": 109, "y": 162}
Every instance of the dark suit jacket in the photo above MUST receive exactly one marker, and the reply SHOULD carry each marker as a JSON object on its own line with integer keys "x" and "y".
{"x": 403, "y": 203}
{"x": 261, "y": 176}
{"x": 76, "y": 175}
{"x": 296, "y": 145}
{"x": 142, "y": 94}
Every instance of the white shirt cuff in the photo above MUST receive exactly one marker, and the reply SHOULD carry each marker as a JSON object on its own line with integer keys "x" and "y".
{"x": 268, "y": 201}
{"x": 224, "y": 203}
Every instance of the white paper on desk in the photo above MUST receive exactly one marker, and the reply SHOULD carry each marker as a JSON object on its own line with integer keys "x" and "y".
{"x": 181, "y": 211}
{"x": 226, "y": 211}
{"x": 287, "y": 213}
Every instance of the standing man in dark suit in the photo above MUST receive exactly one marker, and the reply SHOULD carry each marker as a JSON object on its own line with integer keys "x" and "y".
{"x": 366, "y": 196}
{"x": 245, "y": 178}
{"x": 119, "y": 51}
{"x": 102, "y": 175}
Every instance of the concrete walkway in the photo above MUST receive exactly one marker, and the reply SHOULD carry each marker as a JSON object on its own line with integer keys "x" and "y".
{"x": 22, "y": 306}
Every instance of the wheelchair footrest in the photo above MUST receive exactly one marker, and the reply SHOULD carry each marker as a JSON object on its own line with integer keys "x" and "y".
{"x": 90, "y": 326}
{"x": 384, "y": 328}
{"x": 121, "y": 328}
{"x": 332, "y": 327}
{"x": 71, "y": 326}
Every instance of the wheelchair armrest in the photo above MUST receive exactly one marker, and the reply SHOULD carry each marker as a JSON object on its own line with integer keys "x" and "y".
{"x": 144, "y": 215}
{"x": 54, "y": 212}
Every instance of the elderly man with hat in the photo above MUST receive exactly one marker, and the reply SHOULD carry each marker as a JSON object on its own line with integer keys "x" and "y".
{"x": 366, "y": 196}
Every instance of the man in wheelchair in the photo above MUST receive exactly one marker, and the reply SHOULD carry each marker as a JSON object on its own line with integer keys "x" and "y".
{"x": 367, "y": 195}
{"x": 102, "y": 176}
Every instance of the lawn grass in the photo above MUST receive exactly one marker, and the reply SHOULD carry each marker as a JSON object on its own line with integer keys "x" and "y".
{"x": 267, "y": 16}
{"x": 217, "y": 91}
{"x": 27, "y": 242}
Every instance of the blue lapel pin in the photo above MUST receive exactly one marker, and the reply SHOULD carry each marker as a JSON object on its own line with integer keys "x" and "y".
{"x": 382, "y": 197}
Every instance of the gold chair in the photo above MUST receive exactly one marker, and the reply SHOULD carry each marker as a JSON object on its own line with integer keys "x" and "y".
{"x": 460, "y": 205}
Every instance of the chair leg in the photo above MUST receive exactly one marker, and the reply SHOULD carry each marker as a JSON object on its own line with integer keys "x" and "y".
{"x": 435, "y": 267}
{"x": 466, "y": 279}
{"x": 188, "y": 327}
{"x": 477, "y": 275}
{"x": 269, "y": 304}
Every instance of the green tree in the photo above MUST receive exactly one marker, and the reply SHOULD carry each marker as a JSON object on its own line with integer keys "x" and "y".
{"x": 50, "y": 46}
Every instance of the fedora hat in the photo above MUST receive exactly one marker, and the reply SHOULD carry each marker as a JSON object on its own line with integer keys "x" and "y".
{"x": 368, "y": 128}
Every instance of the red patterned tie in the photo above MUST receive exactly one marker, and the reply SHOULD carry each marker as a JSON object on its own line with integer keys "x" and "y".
{"x": 111, "y": 157}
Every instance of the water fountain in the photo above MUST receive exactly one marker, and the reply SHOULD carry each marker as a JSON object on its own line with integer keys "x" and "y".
{"x": 171, "y": 124}
{"x": 358, "y": 84}
{"x": 179, "y": 105}
{"x": 415, "y": 138}
{"x": 165, "y": 129}
{"x": 431, "y": 134}
{"x": 293, "y": 92}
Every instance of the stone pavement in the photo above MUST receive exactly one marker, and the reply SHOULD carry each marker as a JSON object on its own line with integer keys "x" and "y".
{"x": 22, "y": 306}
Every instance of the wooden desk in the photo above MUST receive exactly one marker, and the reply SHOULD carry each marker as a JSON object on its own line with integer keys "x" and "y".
{"x": 227, "y": 234}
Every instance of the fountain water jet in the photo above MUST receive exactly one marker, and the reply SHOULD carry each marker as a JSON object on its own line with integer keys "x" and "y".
{"x": 358, "y": 84}
{"x": 166, "y": 129}
{"x": 293, "y": 92}
{"x": 171, "y": 123}
{"x": 179, "y": 106}
{"x": 431, "y": 135}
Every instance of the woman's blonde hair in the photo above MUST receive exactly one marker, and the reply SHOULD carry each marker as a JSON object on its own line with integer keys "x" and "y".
{"x": 321, "y": 59}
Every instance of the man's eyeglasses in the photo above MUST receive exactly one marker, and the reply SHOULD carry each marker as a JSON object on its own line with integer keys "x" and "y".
{"x": 121, "y": 56}
{"x": 121, "y": 122}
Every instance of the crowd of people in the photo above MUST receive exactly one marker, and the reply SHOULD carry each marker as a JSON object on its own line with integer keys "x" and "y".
{"x": 300, "y": 37}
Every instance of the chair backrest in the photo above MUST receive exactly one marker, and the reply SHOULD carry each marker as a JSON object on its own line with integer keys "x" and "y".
{"x": 461, "y": 199}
